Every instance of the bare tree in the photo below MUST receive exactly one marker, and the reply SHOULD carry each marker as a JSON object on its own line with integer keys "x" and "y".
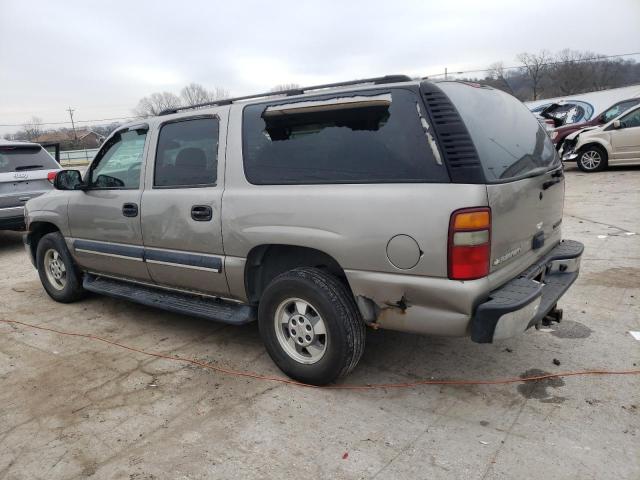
{"x": 194, "y": 94}
{"x": 604, "y": 73}
{"x": 496, "y": 72}
{"x": 156, "y": 103}
{"x": 8, "y": 136}
{"x": 105, "y": 130}
{"x": 570, "y": 72}
{"x": 535, "y": 67}
{"x": 284, "y": 86}
{"x": 33, "y": 128}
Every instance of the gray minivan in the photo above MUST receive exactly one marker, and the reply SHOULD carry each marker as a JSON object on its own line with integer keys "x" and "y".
{"x": 430, "y": 208}
{"x": 26, "y": 171}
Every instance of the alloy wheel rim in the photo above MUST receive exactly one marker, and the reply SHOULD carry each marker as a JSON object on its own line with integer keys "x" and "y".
{"x": 55, "y": 269}
{"x": 591, "y": 160}
{"x": 301, "y": 331}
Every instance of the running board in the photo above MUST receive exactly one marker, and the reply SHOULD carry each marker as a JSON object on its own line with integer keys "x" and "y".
{"x": 184, "y": 303}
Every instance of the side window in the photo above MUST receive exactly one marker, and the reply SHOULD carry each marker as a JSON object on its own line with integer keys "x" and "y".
{"x": 120, "y": 161}
{"x": 368, "y": 137}
{"x": 631, "y": 120}
{"x": 617, "y": 109}
{"x": 187, "y": 154}
{"x": 612, "y": 113}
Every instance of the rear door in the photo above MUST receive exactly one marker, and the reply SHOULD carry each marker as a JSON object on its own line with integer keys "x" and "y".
{"x": 104, "y": 219}
{"x": 525, "y": 181}
{"x": 23, "y": 175}
{"x": 181, "y": 211}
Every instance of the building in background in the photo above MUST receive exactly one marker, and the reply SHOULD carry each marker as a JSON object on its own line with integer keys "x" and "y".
{"x": 82, "y": 139}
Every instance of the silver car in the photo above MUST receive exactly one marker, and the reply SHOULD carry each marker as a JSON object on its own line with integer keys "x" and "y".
{"x": 431, "y": 208}
{"x": 26, "y": 171}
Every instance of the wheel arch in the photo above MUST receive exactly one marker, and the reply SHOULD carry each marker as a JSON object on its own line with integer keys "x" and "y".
{"x": 265, "y": 262}
{"x": 595, "y": 143}
{"x": 37, "y": 230}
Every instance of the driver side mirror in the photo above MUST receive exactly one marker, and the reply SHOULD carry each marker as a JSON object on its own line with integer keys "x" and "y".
{"x": 617, "y": 124}
{"x": 68, "y": 180}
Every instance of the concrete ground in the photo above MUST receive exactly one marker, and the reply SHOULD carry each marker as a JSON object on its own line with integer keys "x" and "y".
{"x": 73, "y": 408}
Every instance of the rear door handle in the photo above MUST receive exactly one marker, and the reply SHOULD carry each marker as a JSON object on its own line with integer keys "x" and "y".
{"x": 201, "y": 213}
{"x": 130, "y": 210}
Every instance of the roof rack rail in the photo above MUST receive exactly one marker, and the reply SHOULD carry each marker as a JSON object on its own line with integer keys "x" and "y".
{"x": 290, "y": 92}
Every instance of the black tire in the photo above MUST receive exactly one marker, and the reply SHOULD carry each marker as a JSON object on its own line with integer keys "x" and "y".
{"x": 330, "y": 299}
{"x": 592, "y": 158}
{"x": 71, "y": 289}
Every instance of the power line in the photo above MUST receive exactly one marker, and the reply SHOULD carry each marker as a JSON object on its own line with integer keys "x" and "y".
{"x": 67, "y": 123}
{"x": 445, "y": 74}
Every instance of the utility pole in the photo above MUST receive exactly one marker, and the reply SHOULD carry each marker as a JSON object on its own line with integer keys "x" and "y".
{"x": 73, "y": 126}
{"x": 445, "y": 73}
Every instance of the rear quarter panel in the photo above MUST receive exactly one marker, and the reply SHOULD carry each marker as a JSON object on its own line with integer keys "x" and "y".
{"x": 352, "y": 223}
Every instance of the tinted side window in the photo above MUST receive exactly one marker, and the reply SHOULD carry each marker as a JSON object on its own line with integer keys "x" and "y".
{"x": 120, "y": 161}
{"x": 187, "y": 154}
{"x": 509, "y": 140}
{"x": 344, "y": 141}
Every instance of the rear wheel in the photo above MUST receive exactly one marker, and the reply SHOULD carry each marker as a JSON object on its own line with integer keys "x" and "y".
{"x": 311, "y": 326}
{"x": 57, "y": 271}
{"x": 592, "y": 159}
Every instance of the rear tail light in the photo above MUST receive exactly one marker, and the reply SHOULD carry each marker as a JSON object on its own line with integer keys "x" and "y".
{"x": 51, "y": 176}
{"x": 469, "y": 243}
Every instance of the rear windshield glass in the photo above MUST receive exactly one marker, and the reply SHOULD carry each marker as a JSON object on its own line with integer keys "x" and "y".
{"x": 567, "y": 114}
{"x": 15, "y": 159}
{"x": 509, "y": 140}
{"x": 368, "y": 137}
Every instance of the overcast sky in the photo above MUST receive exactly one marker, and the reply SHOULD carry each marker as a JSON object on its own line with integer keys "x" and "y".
{"x": 102, "y": 57}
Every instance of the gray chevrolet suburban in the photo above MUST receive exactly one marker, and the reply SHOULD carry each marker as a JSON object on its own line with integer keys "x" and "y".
{"x": 431, "y": 208}
{"x": 26, "y": 171}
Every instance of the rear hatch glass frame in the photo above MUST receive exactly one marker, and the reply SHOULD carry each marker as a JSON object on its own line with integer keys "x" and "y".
{"x": 502, "y": 129}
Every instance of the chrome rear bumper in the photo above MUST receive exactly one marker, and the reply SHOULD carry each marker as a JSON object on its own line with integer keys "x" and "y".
{"x": 527, "y": 299}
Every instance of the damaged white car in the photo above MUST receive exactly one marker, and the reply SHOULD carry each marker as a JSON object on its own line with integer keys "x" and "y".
{"x": 614, "y": 143}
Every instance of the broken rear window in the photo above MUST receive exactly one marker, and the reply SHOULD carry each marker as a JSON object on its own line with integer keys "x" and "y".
{"x": 375, "y": 137}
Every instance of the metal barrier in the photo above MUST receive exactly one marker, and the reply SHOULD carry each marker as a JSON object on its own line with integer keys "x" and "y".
{"x": 77, "y": 157}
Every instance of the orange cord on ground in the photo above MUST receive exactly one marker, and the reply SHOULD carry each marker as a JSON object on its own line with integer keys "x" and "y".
{"x": 257, "y": 376}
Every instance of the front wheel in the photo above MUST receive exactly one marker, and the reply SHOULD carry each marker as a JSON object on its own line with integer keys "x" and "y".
{"x": 310, "y": 326}
{"x": 592, "y": 159}
{"x": 57, "y": 271}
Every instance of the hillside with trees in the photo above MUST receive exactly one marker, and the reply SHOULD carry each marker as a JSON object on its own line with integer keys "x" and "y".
{"x": 541, "y": 75}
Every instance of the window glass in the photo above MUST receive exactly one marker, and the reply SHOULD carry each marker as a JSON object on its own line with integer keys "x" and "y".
{"x": 618, "y": 109}
{"x": 509, "y": 140}
{"x": 632, "y": 119}
{"x": 569, "y": 114}
{"x": 363, "y": 141}
{"x": 187, "y": 154}
{"x": 15, "y": 159}
{"x": 120, "y": 162}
